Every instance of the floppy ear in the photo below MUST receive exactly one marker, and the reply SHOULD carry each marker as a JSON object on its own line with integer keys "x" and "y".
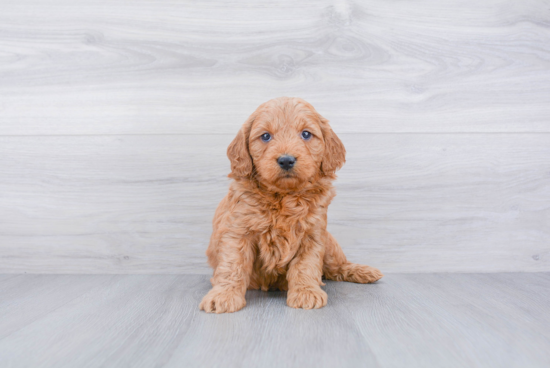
{"x": 241, "y": 162}
{"x": 335, "y": 152}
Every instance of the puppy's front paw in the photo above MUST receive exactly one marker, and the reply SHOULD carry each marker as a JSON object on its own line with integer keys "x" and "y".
{"x": 219, "y": 300}
{"x": 307, "y": 298}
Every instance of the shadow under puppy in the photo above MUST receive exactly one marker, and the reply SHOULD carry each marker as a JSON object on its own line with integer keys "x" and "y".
{"x": 270, "y": 231}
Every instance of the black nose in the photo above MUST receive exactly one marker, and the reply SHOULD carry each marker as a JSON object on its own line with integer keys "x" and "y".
{"x": 286, "y": 162}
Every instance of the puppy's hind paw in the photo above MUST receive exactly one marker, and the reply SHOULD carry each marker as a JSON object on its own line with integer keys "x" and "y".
{"x": 363, "y": 274}
{"x": 219, "y": 300}
{"x": 309, "y": 298}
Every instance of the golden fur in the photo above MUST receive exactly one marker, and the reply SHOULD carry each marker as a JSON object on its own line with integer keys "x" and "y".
{"x": 270, "y": 229}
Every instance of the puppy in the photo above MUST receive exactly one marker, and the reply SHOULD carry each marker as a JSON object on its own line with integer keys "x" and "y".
{"x": 270, "y": 231}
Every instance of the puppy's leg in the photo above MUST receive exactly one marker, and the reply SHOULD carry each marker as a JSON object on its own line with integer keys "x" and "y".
{"x": 336, "y": 266}
{"x": 304, "y": 277}
{"x": 231, "y": 276}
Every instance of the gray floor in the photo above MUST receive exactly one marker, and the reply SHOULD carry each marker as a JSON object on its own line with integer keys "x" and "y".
{"x": 405, "y": 320}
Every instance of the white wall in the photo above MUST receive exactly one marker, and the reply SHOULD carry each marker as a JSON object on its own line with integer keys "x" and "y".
{"x": 115, "y": 117}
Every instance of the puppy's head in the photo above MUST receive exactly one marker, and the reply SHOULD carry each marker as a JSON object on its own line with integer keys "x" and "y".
{"x": 286, "y": 144}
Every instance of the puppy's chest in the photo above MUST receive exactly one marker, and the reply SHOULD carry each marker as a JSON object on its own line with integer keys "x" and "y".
{"x": 290, "y": 216}
{"x": 284, "y": 225}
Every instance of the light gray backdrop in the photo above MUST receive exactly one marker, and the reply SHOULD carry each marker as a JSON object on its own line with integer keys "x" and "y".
{"x": 115, "y": 117}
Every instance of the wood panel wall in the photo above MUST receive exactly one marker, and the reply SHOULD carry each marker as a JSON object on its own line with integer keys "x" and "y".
{"x": 115, "y": 117}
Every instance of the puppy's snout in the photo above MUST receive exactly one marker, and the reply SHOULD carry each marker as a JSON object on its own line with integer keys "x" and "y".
{"x": 286, "y": 162}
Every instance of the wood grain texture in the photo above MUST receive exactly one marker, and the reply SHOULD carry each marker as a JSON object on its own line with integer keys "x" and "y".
{"x": 144, "y": 204}
{"x": 115, "y": 116}
{"x": 405, "y": 320}
{"x": 187, "y": 67}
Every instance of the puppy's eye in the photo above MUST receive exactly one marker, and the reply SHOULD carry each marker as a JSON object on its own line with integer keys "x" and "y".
{"x": 306, "y": 135}
{"x": 266, "y": 137}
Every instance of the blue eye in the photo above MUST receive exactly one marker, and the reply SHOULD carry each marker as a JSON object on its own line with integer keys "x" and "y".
{"x": 306, "y": 135}
{"x": 266, "y": 137}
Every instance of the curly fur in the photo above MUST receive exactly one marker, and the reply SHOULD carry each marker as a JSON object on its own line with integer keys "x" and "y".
{"x": 270, "y": 229}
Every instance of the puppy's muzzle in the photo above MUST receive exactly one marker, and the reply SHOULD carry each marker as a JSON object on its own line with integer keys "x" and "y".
{"x": 286, "y": 162}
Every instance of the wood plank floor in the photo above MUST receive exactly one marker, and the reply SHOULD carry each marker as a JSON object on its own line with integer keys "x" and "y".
{"x": 405, "y": 320}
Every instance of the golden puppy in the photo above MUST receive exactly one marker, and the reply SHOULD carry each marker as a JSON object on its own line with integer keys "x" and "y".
{"x": 270, "y": 231}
